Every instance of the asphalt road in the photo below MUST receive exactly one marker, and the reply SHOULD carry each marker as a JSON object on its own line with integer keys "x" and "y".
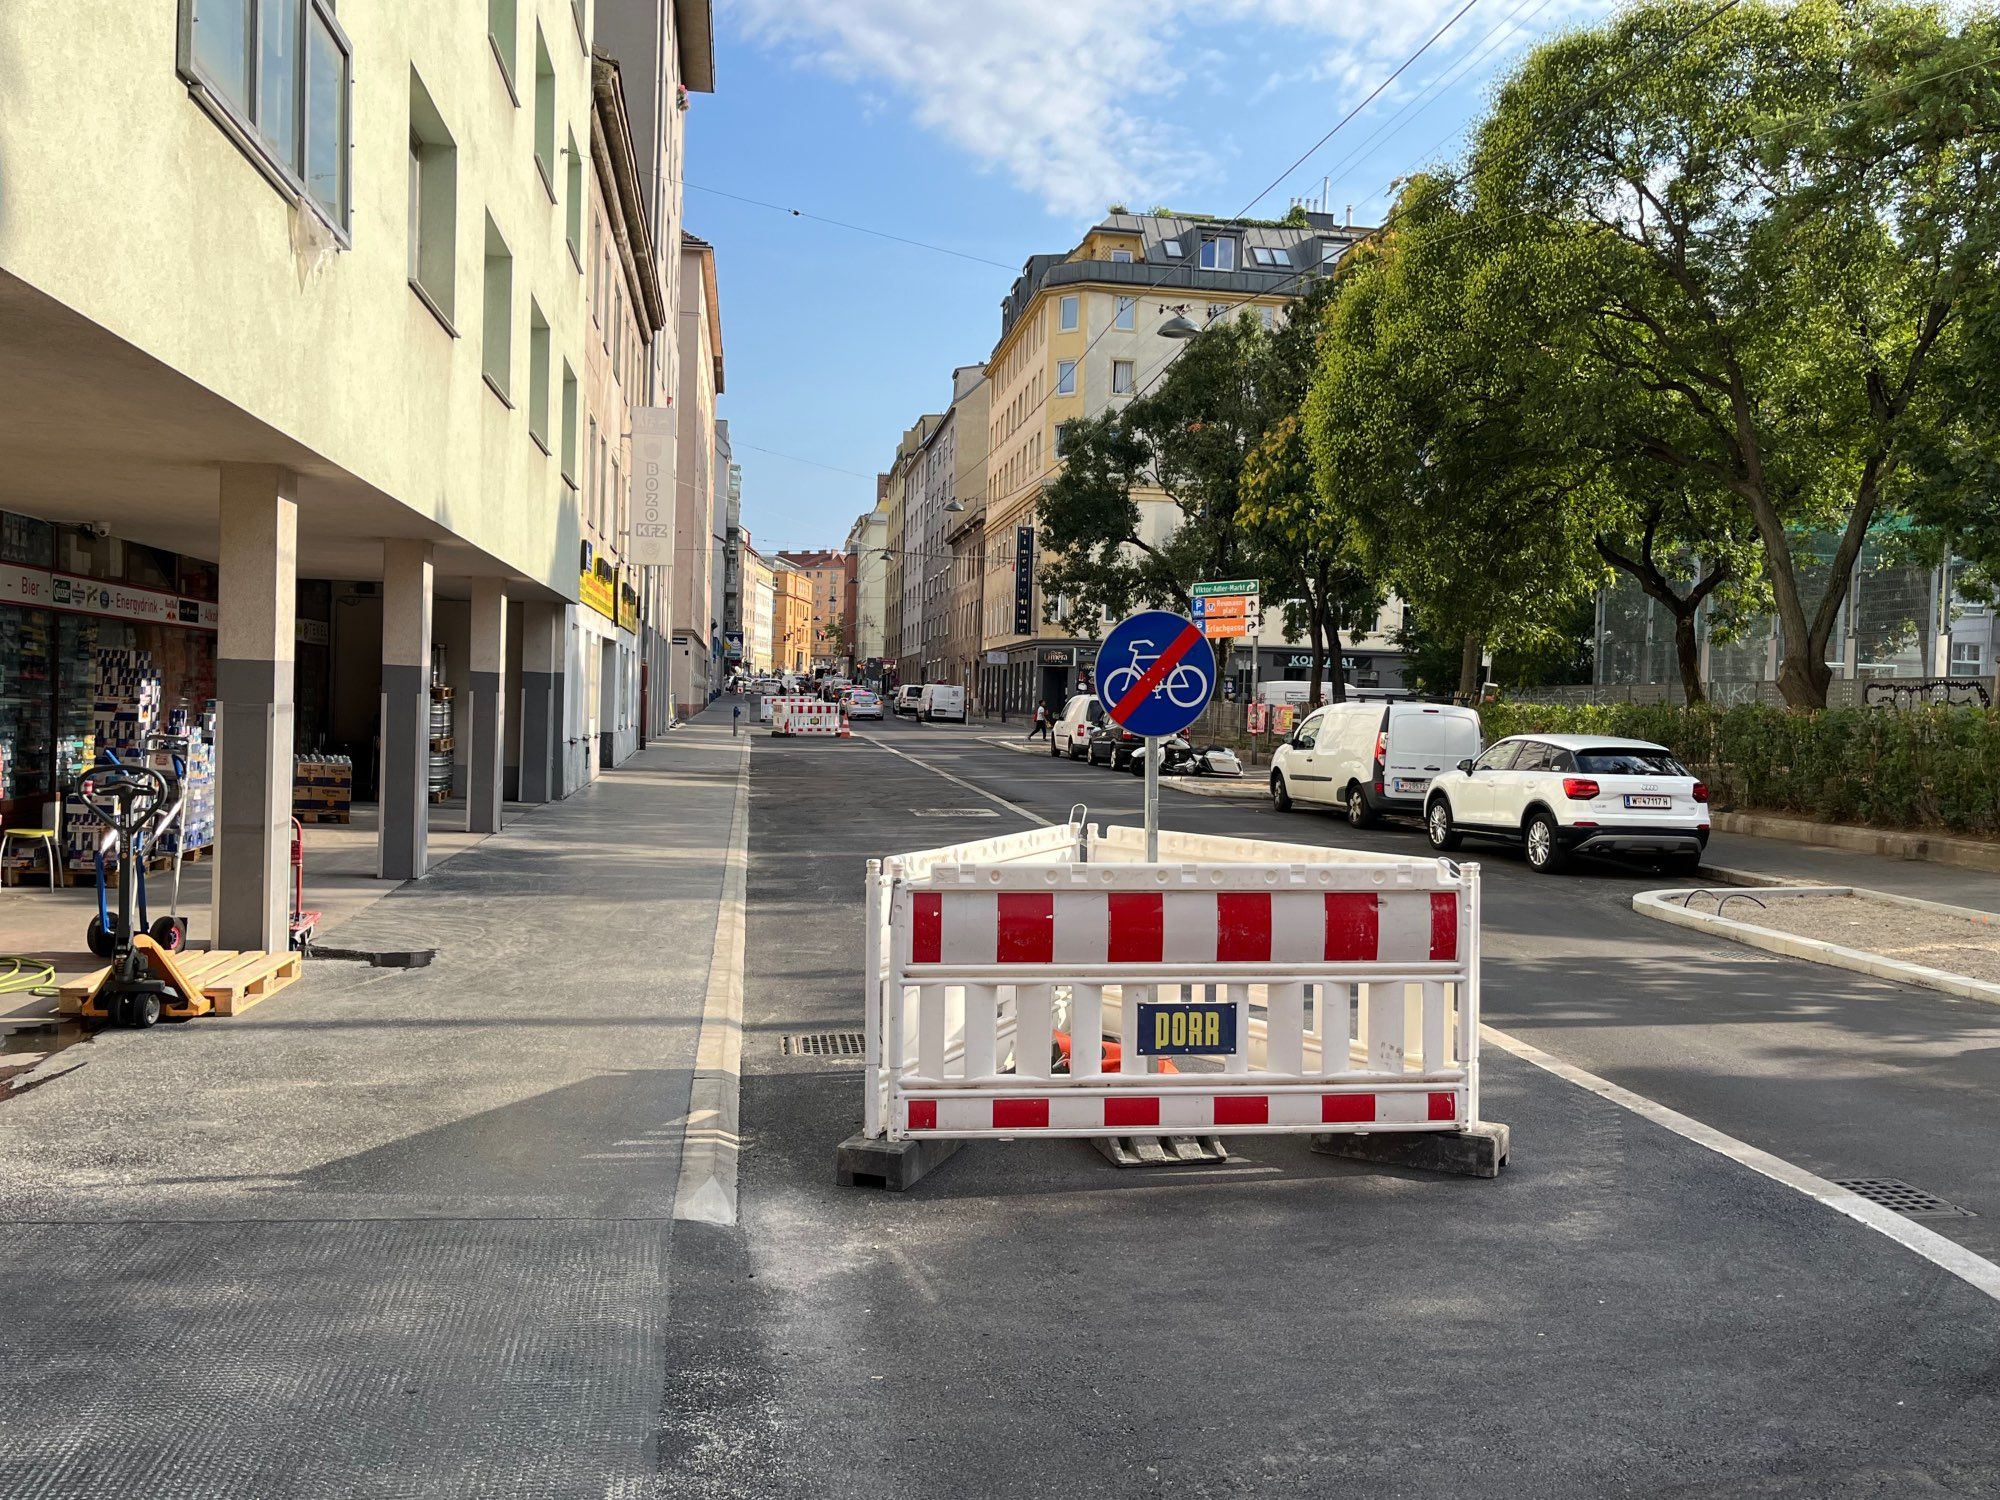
{"x": 1621, "y": 1313}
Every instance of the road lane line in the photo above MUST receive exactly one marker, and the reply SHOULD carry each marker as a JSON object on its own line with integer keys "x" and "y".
{"x": 1947, "y": 1254}
{"x": 978, "y": 791}
{"x": 1973, "y": 1269}
{"x": 710, "y": 1141}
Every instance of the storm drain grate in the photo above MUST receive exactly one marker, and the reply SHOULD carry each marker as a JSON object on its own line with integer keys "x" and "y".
{"x": 1910, "y": 1201}
{"x": 824, "y": 1044}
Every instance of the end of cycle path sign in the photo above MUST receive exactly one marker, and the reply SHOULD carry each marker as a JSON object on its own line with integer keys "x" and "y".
{"x": 1155, "y": 672}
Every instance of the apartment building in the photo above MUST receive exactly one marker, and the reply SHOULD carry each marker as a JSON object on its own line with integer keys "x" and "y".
{"x": 697, "y": 653}
{"x": 948, "y": 480}
{"x": 760, "y": 607}
{"x": 903, "y": 613}
{"x": 869, "y": 557}
{"x": 297, "y": 366}
{"x": 825, "y": 573}
{"x": 791, "y": 626}
{"x": 1080, "y": 334}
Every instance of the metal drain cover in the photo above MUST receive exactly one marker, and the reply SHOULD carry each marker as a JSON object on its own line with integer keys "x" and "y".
{"x": 1912, "y": 1202}
{"x": 955, "y": 812}
{"x": 825, "y": 1044}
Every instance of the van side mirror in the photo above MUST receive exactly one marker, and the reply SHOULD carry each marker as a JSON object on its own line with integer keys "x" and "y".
{"x": 1466, "y": 765}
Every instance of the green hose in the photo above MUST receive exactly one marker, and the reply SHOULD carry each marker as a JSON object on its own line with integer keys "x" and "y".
{"x": 27, "y": 976}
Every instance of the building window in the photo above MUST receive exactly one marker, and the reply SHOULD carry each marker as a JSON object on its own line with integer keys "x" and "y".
{"x": 433, "y": 203}
{"x": 1265, "y": 255}
{"x": 574, "y": 232}
{"x": 1121, "y": 257}
{"x": 496, "y": 354}
{"x": 501, "y": 30}
{"x": 1125, "y": 307}
{"x": 1066, "y": 377}
{"x": 1968, "y": 659}
{"x": 1171, "y": 248}
{"x": 1071, "y": 312}
{"x": 1269, "y": 316}
{"x": 276, "y": 74}
{"x": 582, "y": 25}
{"x": 569, "y": 426}
{"x": 1121, "y": 377}
{"x": 538, "y": 376}
{"x": 1329, "y": 251}
{"x": 545, "y": 115}
{"x": 1218, "y": 253}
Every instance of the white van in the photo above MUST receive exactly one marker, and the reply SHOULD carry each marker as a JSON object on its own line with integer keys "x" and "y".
{"x": 909, "y": 698}
{"x": 941, "y": 701}
{"x": 1372, "y": 758}
{"x": 1284, "y": 690}
{"x": 1071, "y": 735}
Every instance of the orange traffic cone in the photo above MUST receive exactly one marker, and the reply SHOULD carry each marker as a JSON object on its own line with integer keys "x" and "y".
{"x": 846, "y": 732}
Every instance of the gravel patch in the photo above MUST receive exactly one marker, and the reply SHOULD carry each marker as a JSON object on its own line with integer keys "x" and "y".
{"x": 1936, "y": 940}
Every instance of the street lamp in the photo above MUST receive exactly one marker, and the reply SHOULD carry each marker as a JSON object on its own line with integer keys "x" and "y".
{"x": 1178, "y": 326}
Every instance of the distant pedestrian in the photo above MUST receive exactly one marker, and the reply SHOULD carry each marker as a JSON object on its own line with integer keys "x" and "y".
{"x": 1042, "y": 730}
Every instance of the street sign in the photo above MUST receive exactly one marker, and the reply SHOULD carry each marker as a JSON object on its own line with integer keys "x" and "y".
{"x": 1231, "y": 586}
{"x": 1155, "y": 673}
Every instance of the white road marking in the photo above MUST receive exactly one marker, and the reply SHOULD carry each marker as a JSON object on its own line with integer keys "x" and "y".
{"x": 1975, "y": 1270}
{"x": 977, "y": 791}
{"x": 710, "y": 1145}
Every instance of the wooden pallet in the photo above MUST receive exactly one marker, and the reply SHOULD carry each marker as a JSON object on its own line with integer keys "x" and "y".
{"x": 223, "y": 983}
{"x": 322, "y": 815}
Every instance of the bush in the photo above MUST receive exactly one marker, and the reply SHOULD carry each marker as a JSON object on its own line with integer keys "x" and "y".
{"x": 1923, "y": 768}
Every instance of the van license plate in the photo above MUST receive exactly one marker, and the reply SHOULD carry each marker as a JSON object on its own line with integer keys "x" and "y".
{"x": 1187, "y": 1030}
{"x": 1410, "y": 784}
{"x": 1635, "y": 801}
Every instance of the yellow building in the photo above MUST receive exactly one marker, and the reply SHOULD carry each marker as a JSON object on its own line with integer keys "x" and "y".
{"x": 1079, "y": 335}
{"x": 792, "y": 629}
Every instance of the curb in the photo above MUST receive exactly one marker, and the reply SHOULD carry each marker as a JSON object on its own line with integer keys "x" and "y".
{"x": 1657, "y": 905}
{"x": 1854, "y": 838}
{"x": 1229, "y": 788}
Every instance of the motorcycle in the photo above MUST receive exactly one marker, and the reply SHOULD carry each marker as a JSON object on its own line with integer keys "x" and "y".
{"x": 1179, "y": 758}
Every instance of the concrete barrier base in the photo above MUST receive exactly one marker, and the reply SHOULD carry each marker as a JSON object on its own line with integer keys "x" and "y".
{"x": 1479, "y": 1150}
{"x": 865, "y": 1161}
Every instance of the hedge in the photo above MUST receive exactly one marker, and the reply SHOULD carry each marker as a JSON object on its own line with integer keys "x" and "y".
{"x": 1920, "y": 768}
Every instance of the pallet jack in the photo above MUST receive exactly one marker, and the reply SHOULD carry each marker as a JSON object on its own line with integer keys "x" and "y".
{"x": 170, "y": 931}
{"x": 132, "y": 993}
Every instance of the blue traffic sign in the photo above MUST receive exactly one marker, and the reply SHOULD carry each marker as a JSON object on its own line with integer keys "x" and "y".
{"x": 1155, "y": 672}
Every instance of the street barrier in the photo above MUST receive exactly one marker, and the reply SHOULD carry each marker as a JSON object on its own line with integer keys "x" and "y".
{"x": 1348, "y": 984}
{"x": 806, "y": 716}
{"x": 767, "y": 708}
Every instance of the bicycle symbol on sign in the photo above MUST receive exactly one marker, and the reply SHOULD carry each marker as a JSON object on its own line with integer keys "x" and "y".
{"x": 1185, "y": 686}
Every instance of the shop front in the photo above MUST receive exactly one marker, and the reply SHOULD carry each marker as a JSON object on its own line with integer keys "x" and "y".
{"x": 1015, "y": 680}
{"x": 69, "y": 599}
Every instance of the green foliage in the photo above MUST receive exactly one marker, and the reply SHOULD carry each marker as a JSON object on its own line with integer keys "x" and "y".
{"x": 1924, "y": 768}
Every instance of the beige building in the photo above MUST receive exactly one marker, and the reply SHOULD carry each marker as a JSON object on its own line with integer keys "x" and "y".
{"x": 760, "y": 610}
{"x": 703, "y": 479}
{"x": 826, "y": 581}
{"x": 297, "y": 315}
{"x": 1079, "y": 335}
{"x": 867, "y": 544}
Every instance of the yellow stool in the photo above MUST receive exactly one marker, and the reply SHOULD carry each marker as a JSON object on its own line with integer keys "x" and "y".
{"x": 48, "y": 839}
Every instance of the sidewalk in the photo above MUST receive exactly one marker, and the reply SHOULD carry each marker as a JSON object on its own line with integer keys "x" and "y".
{"x": 1811, "y": 864}
{"x": 395, "y": 1229}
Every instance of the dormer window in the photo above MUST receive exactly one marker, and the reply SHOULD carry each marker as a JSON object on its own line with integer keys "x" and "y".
{"x": 1218, "y": 253}
{"x": 1265, "y": 255}
{"x": 1171, "y": 249}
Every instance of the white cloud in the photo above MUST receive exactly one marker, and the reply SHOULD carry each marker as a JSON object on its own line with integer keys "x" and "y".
{"x": 1075, "y": 100}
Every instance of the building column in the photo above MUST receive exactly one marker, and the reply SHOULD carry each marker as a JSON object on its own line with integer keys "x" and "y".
{"x": 487, "y": 755}
{"x": 541, "y": 701}
{"x": 256, "y": 643}
{"x": 404, "y": 841}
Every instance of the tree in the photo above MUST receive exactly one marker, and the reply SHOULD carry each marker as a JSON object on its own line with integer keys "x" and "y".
{"x": 1752, "y": 254}
{"x": 1185, "y": 442}
{"x": 1463, "y": 496}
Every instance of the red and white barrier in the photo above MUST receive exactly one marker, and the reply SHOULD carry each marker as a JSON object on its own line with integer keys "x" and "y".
{"x": 1354, "y": 981}
{"x": 768, "y": 706}
{"x": 806, "y": 716}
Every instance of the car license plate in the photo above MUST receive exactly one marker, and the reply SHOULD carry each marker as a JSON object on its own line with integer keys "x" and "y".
{"x": 1638, "y": 801}
{"x": 1410, "y": 784}
{"x": 1187, "y": 1030}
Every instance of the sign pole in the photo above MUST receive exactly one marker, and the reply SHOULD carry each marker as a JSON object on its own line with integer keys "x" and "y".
{"x": 1152, "y": 799}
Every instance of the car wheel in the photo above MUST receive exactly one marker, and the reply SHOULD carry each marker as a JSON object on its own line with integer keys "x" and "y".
{"x": 1054, "y": 750}
{"x": 1544, "y": 853}
{"x": 1281, "y": 796}
{"x": 1437, "y": 823}
{"x": 1359, "y": 813}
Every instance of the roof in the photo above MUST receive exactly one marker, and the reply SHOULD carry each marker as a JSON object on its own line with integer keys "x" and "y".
{"x": 1170, "y": 258}
{"x": 616, "y": 161}
{"x": 706, "y": 251}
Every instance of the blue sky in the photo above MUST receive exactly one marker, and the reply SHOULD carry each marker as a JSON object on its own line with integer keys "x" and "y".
{"x": 1000, "y": 129}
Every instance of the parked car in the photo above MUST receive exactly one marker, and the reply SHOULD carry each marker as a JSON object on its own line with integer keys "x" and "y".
{"x": 941, "y": 701}
{"x": 862, "y": 704}
{"x": 1563, "y": 794}
{"x": 1372, "y": 759}
{"x": 908, "y": 698}
{"x": 1071, "y": 736}
{"x": 1113, "y": 745}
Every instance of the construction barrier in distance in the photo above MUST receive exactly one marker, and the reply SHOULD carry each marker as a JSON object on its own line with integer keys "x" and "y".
{"x": 806, "y": 716}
